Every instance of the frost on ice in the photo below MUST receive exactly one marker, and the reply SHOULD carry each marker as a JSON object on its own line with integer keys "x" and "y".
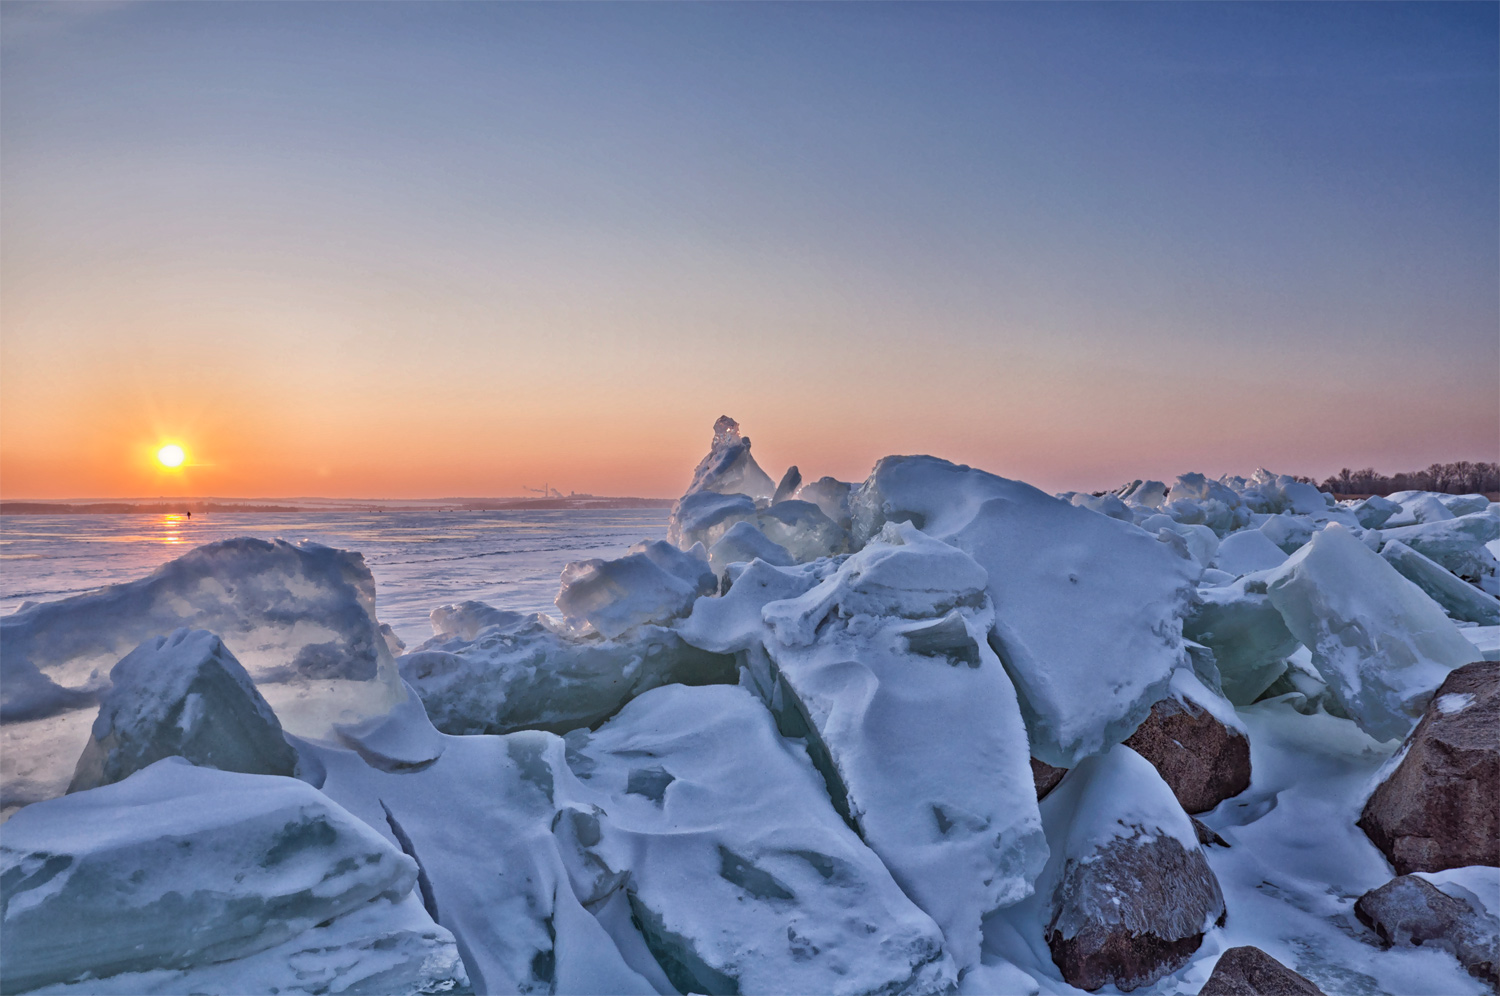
{"x": 179, "y": 866}
{"x": 1088, "y": 609}
{"x": 182, "y": 695}
{"x": 1378, "y": 641}
{"x": 300, "y": 618}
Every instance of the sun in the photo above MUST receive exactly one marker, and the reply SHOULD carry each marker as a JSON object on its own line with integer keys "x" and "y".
{"x": 171, "y": 455}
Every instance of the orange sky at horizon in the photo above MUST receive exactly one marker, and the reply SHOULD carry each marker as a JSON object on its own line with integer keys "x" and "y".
{"x": 438, "y": 250}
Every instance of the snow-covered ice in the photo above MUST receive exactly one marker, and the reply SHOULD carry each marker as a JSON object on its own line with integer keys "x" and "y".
{"x": 1081, "y": 601}
{"x": 179, "y": 866}
{"x": 789, "y": 749}
{"x": 182, "y": 695}
{"x": 1378, "y": 641}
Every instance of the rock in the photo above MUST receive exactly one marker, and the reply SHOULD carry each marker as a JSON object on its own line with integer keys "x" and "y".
{"x": 1410, "y": 911}
{"x": 1046, "y": 777}
{"x": 1249, "y": 971}
{"x": 1132, "y": 894}
{"x": 182, "y": 695}
{"x": 1437, "y": 809}
{"x": 1207, "y": 835}
{"x": 1204, "y": 761}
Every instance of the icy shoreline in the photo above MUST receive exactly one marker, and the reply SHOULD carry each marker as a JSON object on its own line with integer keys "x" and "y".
{"x": 789, "y": 751}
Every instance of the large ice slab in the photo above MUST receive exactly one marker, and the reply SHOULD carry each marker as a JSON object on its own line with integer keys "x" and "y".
{"x": 300, "y": 618}
{"x": 178, "y": 866}
{"x": 384, "y": 948}
{"x": 740, "y": 873}
{"x": 503, "y": 672}
{"x": 1088, "y": 609}
{"x": 1246, "y": 634}
{"x": 1458, "y": 598}
{"x": 886, "y": 670}
{"x": 182, "y": 695}
{"x": 1458, "y": 544}
{"x": 1378, "y": 641}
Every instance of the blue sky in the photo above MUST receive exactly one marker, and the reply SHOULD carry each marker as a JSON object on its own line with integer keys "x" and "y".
{"x": 1066, "y": 242}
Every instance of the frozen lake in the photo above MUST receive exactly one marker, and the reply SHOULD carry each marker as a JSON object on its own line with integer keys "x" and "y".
{"x": 420, "y": 559}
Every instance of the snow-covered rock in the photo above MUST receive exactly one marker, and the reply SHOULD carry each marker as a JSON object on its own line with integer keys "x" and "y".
{"x": 300, "y": 618}
{"x": 1378, "y": 641}
{"x": 1409, "y": 911}
{"x": 179, "y": 866}
{"x": 1458, "y": 598}
{"x": 521, "y": 672}
{"x": 1129, "y": 894}
{"x": 1436, "y": 810}
{"x": 1249, "y": 971}
{"x": 182, "y": 695}
{"x": 740, "y": 873}
{"x": 1082, "y": 602}
{"x": 1196, "y": 743}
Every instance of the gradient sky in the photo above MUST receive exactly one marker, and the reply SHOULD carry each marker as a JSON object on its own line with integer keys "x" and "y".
{"x": 413, "y": 250}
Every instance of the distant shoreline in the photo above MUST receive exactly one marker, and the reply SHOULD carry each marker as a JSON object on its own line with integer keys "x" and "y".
{"x": 166, "y": 506}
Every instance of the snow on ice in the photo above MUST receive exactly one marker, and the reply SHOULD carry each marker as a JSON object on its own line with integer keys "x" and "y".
{"x": 790, "y": 750}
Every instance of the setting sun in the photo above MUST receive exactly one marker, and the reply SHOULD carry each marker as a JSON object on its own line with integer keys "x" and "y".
{"x": 171, "y": 455}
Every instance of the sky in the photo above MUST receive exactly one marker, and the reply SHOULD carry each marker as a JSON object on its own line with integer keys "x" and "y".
{"x": 439, "y": 249}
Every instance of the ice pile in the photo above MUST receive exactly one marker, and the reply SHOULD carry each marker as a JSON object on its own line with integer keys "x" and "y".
{"x": 798, "y": 747}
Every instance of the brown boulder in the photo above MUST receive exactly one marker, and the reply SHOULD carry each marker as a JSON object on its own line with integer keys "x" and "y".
{"x": 1410, "y": 911}
{"x": 1437, "y": 809}
{"x": 1249, "y": 971}
{"x": 1131, "y": 892}
{"x": 1046, "y": 777}
{"x": 1204, "y": 761}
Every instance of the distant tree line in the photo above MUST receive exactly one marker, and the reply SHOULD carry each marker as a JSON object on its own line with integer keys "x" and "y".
{"x": 1463, "y": 477}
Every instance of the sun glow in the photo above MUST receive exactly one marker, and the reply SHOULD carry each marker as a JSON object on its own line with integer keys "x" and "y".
{"x": 171, "y": 455}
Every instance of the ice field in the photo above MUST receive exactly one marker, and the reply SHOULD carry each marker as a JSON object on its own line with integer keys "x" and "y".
{"x": 936, "y": 731}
